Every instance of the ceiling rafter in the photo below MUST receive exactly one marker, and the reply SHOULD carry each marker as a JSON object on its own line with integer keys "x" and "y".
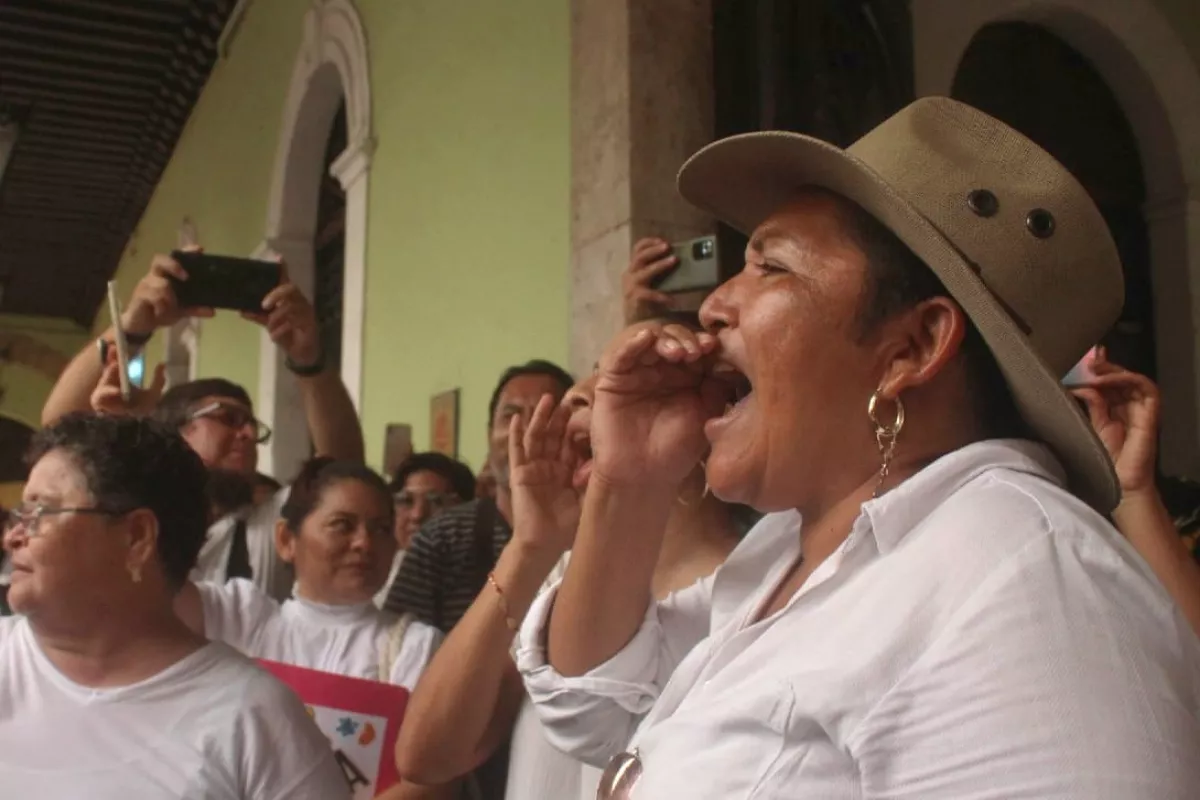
{"x": 108, "y": 86}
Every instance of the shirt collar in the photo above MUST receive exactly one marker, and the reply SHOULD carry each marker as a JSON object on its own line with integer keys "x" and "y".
{"x": 893, "y": 515}
{"x": 327, "y": 615}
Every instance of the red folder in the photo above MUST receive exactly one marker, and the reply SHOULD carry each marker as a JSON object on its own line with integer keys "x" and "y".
{"x": 360, "y": 718}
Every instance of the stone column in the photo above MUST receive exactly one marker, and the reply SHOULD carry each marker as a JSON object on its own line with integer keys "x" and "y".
{"x": 641, "y": 103}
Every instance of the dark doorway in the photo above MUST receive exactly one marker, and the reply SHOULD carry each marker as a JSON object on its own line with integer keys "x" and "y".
{"x": 15, "y": 438}
{"x": 1036, "y": 82}
{"x": 833, "y": 69}
{"x": 329, "y": 245}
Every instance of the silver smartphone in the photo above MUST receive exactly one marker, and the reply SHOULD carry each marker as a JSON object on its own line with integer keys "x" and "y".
{"x": 1082, "y": 374}
{"x": 114, "y": 308}
{"x": 699, "y": 267}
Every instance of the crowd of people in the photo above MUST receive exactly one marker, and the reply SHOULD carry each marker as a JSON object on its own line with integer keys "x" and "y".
{"x": 843, "y": 533}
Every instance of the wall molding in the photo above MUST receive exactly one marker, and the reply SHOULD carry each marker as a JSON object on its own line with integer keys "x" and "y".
{"x": 1134, "y": 48}
{"x": 332, "y": 64}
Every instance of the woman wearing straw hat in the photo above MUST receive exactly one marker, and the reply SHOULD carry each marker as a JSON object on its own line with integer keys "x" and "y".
{"x": 936, "y": 606}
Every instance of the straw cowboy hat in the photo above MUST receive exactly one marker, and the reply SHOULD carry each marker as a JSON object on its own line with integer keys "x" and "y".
{"x": 1014, "y": 238}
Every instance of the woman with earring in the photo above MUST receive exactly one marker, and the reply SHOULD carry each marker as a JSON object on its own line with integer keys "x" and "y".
{"x": 105, "y": 693}
{"x": 934, "y": 606}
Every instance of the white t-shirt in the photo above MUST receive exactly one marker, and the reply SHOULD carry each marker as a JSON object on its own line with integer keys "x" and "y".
{"x": 210, "y": 727}
{"x": 271, "y": 573}
{"x": 345, "y": 640}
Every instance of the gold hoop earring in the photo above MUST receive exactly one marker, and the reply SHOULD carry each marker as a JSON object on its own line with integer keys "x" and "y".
{"x": 885, "y": 436}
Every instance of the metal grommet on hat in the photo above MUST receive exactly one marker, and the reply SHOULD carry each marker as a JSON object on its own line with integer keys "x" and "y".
{"x": 1040, "y": 223}
{"x": 983, "y": 202}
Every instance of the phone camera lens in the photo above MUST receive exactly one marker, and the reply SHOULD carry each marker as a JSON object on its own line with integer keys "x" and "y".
{"x": 702, "y": 249}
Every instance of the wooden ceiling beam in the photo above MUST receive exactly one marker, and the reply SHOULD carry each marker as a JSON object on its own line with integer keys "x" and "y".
{"x": 37, "y": 11}
{"x": 37, "y": 81}
{"x": 13, "y": 28}
{"x": 137, "y": 76}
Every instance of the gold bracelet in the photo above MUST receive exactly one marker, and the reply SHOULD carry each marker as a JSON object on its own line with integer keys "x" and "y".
{"x": 508, "y": 620}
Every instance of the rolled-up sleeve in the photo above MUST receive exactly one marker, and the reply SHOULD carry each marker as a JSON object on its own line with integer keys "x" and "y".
{"x": 593, "y": 716}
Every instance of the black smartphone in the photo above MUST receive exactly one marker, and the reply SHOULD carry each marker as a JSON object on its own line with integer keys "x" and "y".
{"x": 699, "y": 267}
{"x": 230, "y": 282}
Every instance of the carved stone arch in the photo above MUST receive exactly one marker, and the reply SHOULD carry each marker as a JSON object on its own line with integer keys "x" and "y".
{"x": 332, "y": 67}
{"x": 1155, "y": 79}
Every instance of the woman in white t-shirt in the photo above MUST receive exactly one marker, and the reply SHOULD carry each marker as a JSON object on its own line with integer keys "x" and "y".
{"x": 104, "y": 693}
{"x": 337, "y": 531}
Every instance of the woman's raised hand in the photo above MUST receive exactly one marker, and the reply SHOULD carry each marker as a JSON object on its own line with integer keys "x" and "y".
{"x": 653, "y": 396}
{"x": 1123, "y": 408}
{"x": 541, "y": 465}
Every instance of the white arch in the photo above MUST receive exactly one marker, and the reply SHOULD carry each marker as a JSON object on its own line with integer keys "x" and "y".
{"x": 1133, "y": 46}
{"x": 332, "y": 65}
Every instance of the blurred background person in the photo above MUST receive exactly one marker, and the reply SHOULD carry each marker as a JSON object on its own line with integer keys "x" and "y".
{"x": 450, "y": 556}
{"x": 425, "y": 484}
{"x": 485, "y": 483}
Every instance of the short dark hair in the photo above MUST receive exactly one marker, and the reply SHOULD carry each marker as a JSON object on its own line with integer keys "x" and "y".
{"x": 176, "y": 404}
{"x": 535, "y": 367}
{"x": 130, "y": 463}
{"x": 897, "y": 280}
{"x": 456, "y": 473}
{"x": 317, "y": 475}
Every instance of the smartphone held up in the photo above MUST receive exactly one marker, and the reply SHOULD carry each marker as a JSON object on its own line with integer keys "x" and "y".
{"x": 698, "y": 267}
{"x": 1083, "y": 373}
{"x": 228, "y": 282}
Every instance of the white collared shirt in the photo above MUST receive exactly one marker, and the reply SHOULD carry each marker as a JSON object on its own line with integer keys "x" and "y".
{"x": 981, "y": 633}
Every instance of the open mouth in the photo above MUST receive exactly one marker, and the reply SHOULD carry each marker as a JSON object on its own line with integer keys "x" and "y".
{"x": 581, "y": 443}
{"x": 738, "y": 388}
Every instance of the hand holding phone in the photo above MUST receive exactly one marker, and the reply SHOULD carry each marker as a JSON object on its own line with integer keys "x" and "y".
{"x": 122, "y": 344}
{"x": 1083, "y": 373}
{"x": 107, "y": 398}
{"x": 697, "y": 267}
{"x": 239, "y": 284}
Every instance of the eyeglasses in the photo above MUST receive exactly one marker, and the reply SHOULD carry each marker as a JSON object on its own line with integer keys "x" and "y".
{"x": 30, "y": 517}
{"x": 234, "y": 417}
{"x": 437, "y": 500}
{"x": 620, "y": 776}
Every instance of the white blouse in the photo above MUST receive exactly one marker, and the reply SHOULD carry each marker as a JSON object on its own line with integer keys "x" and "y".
{"x": 346, "y": 640}
{"x": 981, "y": 633}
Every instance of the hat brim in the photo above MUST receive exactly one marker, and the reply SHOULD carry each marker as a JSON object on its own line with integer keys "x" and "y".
{"x": 744, "y": 179}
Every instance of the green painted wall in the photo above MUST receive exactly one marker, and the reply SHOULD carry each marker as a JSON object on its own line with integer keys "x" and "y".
{"x": 468, "y": 241}
{"x": 467, "y": 253}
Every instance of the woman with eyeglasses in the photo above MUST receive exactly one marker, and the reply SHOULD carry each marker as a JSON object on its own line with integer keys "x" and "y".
{"x": 424, "y": 485}
{"x": 105, "y": 693}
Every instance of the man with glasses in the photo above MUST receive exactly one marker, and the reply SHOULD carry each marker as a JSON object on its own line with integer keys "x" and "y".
{"x": 216, "y": 418}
